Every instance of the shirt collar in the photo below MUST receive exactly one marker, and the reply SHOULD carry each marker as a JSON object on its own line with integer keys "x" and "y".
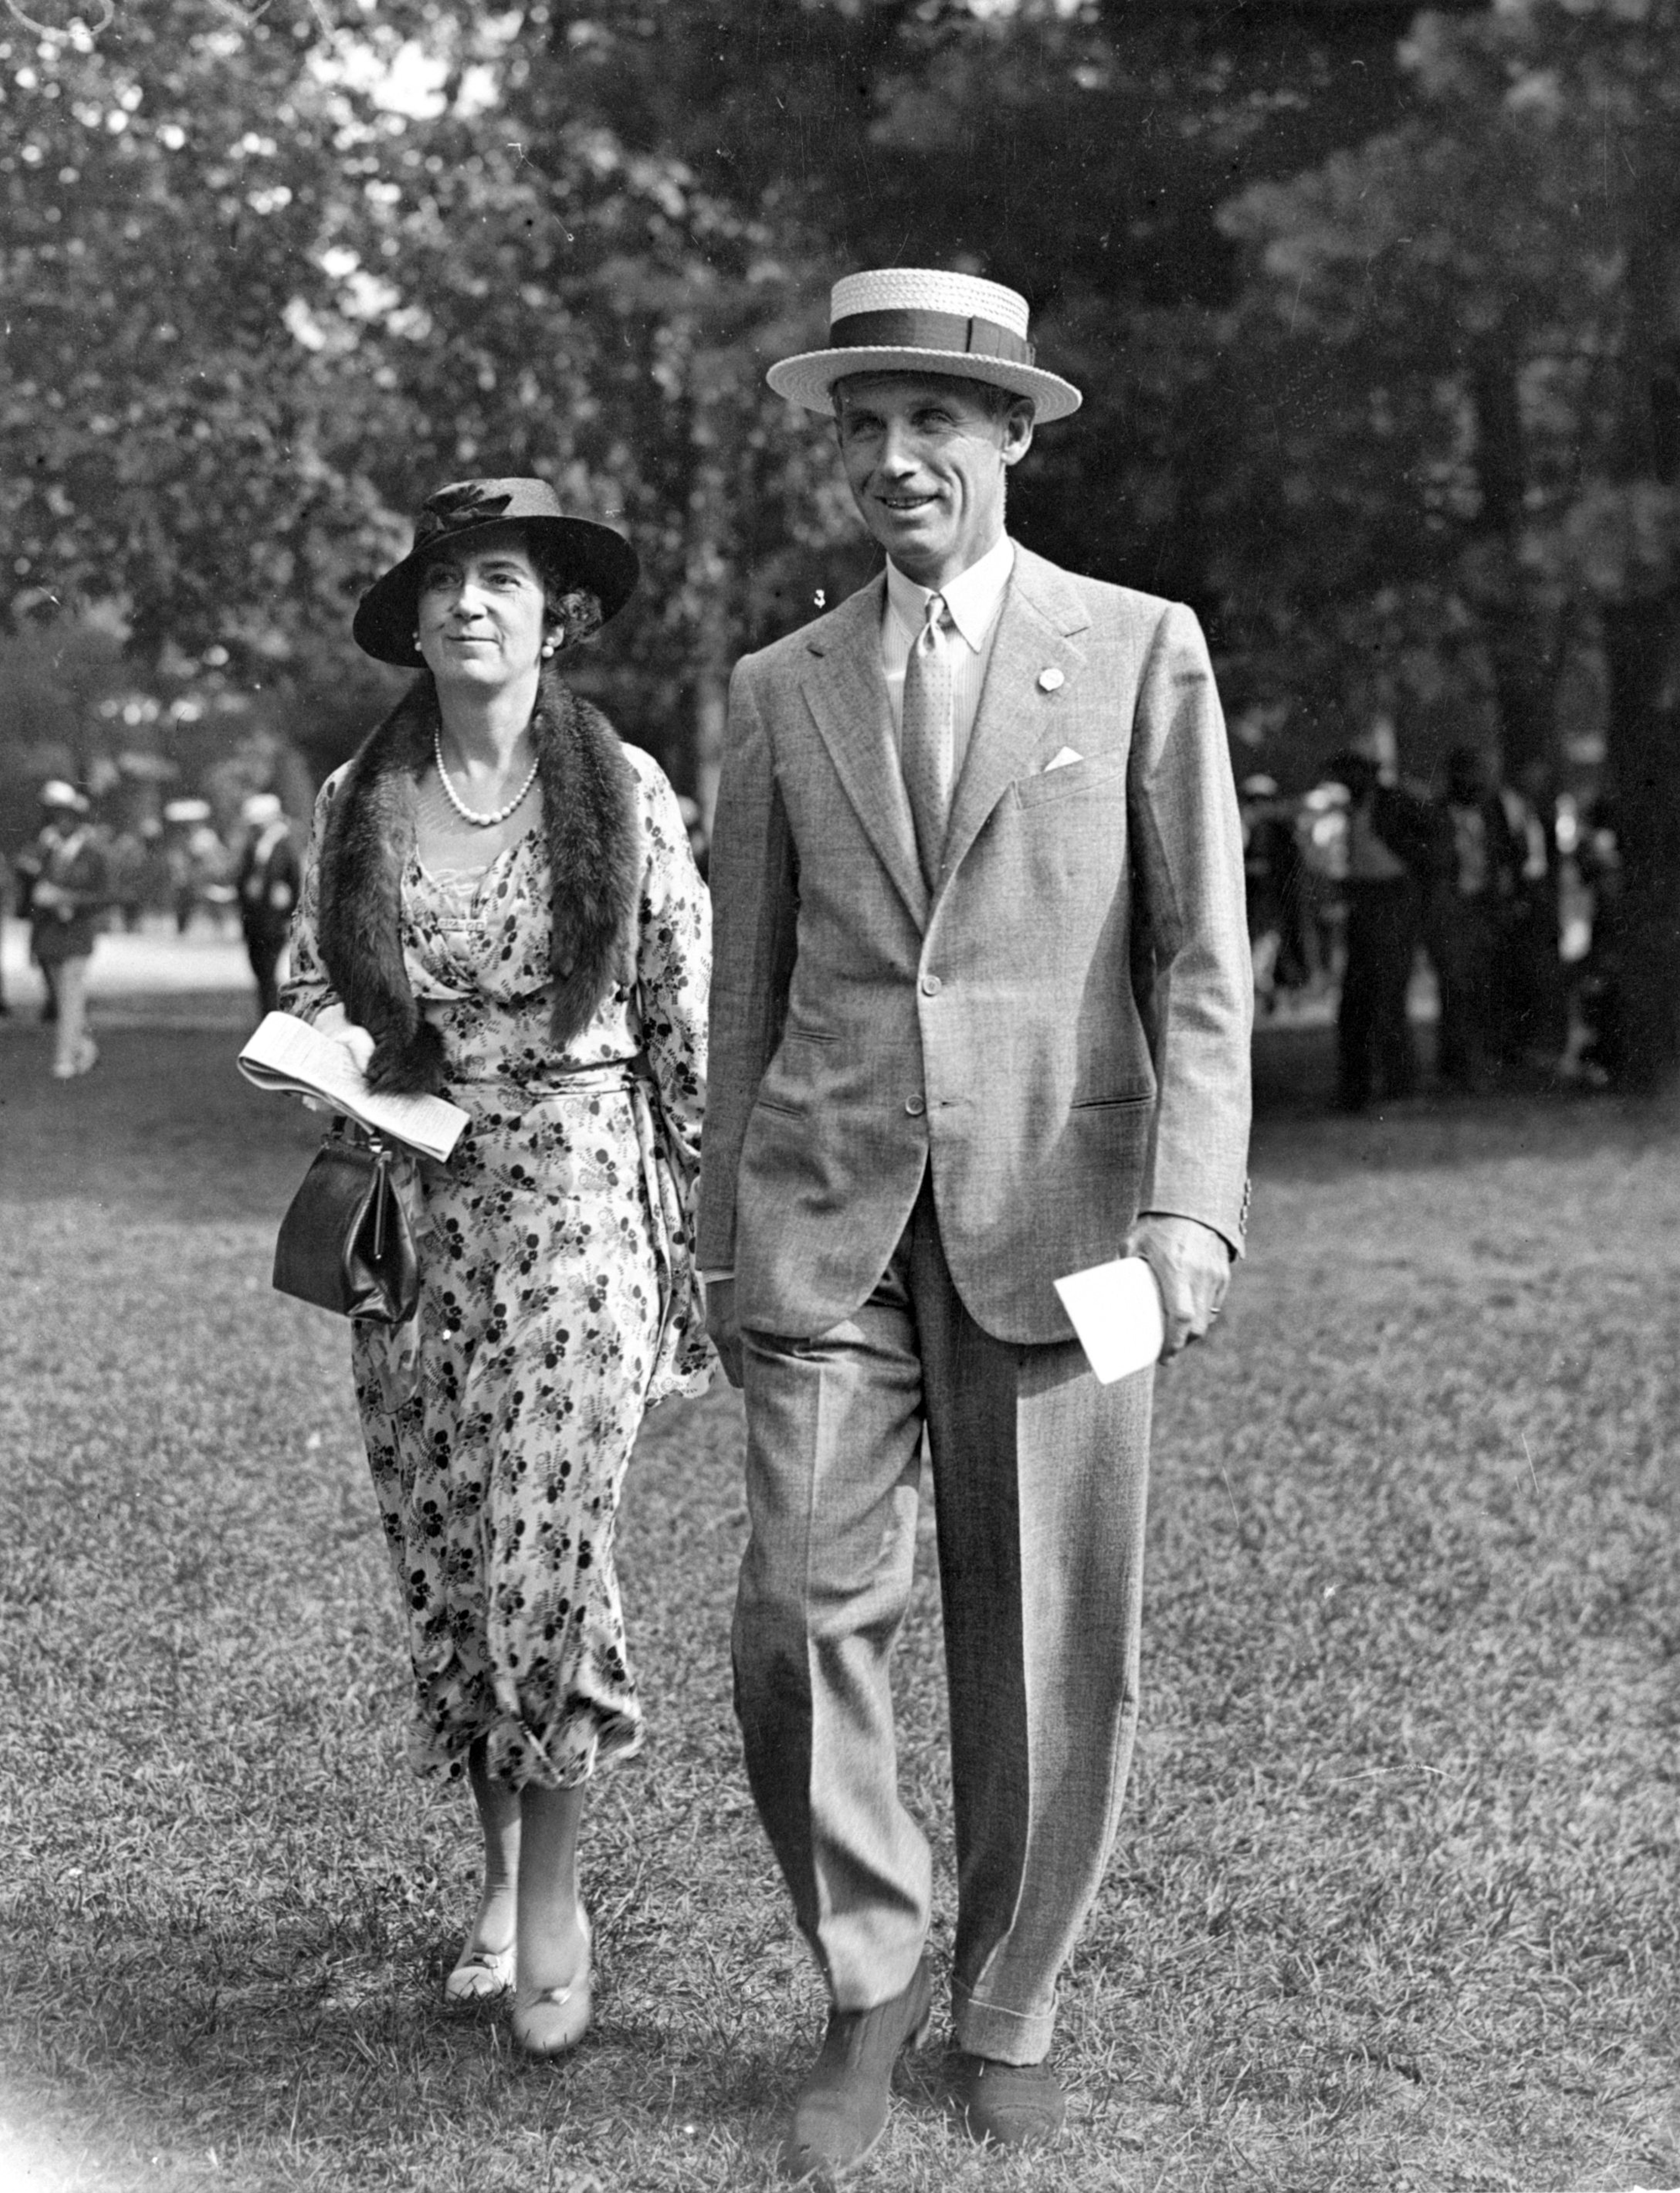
{"x": 972, "y": 598}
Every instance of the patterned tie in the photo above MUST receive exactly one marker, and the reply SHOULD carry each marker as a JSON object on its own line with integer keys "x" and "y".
{"x": 925, "y": 745}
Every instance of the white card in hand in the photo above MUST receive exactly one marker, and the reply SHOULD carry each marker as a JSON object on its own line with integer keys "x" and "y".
{"x": 1116, "y": 1309}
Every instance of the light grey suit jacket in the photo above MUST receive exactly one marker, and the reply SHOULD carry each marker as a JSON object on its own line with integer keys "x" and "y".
{"x": 1062, "y": 1032}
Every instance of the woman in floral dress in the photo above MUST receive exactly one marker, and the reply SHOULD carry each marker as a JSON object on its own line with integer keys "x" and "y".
{"x": 499, "y": 904}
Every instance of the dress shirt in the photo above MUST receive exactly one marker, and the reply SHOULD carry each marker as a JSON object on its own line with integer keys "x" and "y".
{"x": 972, "y": 602}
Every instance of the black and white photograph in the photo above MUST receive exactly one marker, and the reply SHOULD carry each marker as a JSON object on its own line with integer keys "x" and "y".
{"x": 840, "y": 1096}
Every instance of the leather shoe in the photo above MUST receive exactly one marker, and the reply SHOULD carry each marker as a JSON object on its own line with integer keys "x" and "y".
{"x": 1005, "y": 2105}
{"x": 841, "y": 2110}
{"x": 551, "y": 2021}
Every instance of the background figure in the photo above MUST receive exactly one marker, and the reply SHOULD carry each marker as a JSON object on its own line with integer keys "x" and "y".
{"x": 1531, "y": 1008}
{"x": 126, "y": 857}
{"x": 1276, "y": 888}
{"x": 25, "y": 868}
{"x": 196, "y": 860}
{"x": 65, "y": 869}
{"x": 1605, "y": 1047}
{"x": 1481, "y": 857}
{"x": 1389, "y": 854}
{"x": 267, "y": 884}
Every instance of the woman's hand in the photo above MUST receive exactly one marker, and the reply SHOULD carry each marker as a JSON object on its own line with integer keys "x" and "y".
{"x": 333, "y": 1021}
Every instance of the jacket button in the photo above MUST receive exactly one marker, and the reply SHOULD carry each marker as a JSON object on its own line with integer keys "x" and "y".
{"x": 916, "y": 1106}
{"x": 931, "y": 985}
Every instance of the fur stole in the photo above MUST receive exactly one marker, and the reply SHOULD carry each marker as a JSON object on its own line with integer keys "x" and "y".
{"x": 594, "y": 866}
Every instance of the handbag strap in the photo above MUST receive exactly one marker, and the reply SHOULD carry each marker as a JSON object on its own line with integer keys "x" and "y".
{"x": 381, "y": 1196}
{"x": 351, "y": 1134}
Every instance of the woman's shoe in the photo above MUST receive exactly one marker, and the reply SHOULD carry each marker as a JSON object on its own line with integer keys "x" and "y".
{"x": 552, "y": 2020}
{"x": 480, "y": 1974}
{"x": 84, "y": 1060}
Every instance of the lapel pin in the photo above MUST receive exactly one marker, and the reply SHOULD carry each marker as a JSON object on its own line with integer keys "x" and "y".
{"x": 1049, "y": 680}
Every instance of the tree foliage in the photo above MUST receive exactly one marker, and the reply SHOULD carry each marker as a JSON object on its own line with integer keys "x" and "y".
{"x": 1357, "y": 319}
{"x": 274, "y": 271}
{"x": 1467, "y": 332}
{"x": 1442, "y": 319}
{"x": 273, "y": 276}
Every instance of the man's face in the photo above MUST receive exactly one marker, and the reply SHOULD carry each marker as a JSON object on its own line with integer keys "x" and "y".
{"x": 926, "y": 462}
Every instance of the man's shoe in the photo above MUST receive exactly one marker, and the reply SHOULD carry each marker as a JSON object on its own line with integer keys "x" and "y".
{"x": 1005, "y": 2105}
{"x": 841, "y": 2110}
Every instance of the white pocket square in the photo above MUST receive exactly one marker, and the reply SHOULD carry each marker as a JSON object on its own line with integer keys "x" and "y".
{"x": 1061, "y": 760}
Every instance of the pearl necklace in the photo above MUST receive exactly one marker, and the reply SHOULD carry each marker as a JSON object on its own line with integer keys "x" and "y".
{"x": 471, "y": 814}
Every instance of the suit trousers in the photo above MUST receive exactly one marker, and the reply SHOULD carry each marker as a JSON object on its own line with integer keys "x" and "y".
{"x": 1040, "y": 1478}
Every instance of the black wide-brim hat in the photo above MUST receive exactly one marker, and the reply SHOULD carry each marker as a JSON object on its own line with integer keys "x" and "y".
{"x": 592, "y": 555}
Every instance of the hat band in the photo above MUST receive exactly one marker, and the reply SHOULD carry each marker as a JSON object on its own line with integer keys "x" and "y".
{"x": 909, "y": 328}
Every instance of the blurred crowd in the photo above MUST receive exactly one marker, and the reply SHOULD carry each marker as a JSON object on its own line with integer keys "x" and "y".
{"x": 80, "y": 872}
{"x": 1499, "y": 899}
{"x": 1498, "y": 902}
{"x": 89, "y": 867}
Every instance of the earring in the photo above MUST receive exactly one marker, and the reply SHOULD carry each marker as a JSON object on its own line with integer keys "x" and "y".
{"x": 549, "y": 646}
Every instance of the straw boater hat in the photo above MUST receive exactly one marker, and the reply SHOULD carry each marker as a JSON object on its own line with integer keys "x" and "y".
{"x": 920, "y": 319}
{"x": 592, "y": 555}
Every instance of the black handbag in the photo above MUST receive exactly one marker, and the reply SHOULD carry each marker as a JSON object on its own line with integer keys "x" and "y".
{"x": 345, "y": 1241}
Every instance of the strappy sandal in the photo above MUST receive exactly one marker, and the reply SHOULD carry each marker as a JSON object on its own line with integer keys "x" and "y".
{"x": 553, "y": 2020}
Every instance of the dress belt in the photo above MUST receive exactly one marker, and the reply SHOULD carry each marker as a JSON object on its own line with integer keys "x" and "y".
{"x": 585, "y": 1079}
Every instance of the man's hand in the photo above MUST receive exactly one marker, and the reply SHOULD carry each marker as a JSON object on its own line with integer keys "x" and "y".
{"x": 724, "y": 1327}
{"x": 1192, "y": 1266}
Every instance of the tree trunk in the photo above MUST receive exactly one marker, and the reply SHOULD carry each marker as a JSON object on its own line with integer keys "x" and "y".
{"x": 1641, "y": 646}
{"x": 715, "y": 638}
{"x": 1641, "y": 649}
{"x": 1521, "y": 647}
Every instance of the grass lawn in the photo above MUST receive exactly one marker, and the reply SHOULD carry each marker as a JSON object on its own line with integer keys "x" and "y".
{"x": 1396, "y": 1902}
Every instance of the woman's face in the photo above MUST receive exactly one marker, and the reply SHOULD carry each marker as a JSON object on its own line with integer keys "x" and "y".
{"x": 482, "y": 612}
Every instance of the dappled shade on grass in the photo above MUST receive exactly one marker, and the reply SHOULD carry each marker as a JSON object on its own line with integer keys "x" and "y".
{"x": 1393, "y": 1902}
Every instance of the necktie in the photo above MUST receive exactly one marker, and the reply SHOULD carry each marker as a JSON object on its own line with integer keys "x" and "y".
{"x": 925, "y": 745}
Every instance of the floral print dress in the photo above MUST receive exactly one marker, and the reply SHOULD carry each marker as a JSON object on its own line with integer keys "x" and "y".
{"x": 556, "y": 1300}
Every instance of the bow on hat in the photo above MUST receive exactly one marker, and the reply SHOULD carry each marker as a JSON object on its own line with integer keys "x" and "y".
{"x": 592, "y": 555}
{"x": 452, "y": 508}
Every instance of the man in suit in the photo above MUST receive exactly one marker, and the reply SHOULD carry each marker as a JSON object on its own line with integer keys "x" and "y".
{"x": 269, "y": 877}
{"x": 981, "y": 1018}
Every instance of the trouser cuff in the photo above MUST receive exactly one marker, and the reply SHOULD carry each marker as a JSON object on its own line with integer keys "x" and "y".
{"x": 1008, "y": 2036}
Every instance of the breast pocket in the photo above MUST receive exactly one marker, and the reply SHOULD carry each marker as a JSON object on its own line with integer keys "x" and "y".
{"x": 1103, "y": 775}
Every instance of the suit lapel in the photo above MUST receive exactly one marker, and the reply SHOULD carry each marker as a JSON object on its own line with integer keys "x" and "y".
{"x": 1041, "y": 614}
{"x": 846, "y": 692}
